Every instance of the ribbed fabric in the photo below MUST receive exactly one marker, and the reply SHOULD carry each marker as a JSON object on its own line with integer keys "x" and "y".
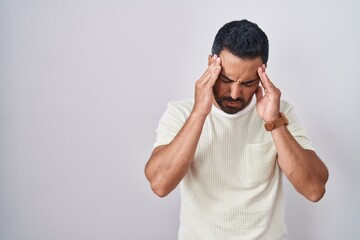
{"x": 233, "y": 189}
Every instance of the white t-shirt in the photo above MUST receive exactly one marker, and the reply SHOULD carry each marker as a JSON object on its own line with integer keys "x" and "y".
{"x": 233, "y": 189}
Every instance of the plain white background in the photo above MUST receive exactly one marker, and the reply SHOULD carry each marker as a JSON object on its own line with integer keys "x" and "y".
{"x": 84, "y": 83}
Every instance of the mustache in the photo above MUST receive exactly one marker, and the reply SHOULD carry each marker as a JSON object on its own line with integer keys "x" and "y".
{"x": 230, "y": 99}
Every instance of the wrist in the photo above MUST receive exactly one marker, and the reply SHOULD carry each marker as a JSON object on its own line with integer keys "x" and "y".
{"x": 198, "y": 115}
{"x": 280, "y": 121}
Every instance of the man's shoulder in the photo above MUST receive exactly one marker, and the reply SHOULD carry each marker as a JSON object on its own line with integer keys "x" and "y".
{"x": 285, "y": 106}
{"x": 178, "y": 109}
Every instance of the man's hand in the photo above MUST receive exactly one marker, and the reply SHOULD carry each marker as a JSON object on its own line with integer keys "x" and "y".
{"x": 204, "y": 87}
{"x": 268, "y": 105}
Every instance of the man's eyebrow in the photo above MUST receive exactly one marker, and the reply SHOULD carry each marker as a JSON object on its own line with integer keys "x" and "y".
{"x": 251, "y": 81}
{"x": 227, "y": 78}
{"x": 246, "y": 82}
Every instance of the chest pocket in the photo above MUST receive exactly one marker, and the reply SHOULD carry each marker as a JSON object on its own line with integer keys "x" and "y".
{"x": 260, "y": 162}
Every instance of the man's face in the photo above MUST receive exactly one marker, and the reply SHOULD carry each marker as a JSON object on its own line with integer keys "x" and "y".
{"x": 237, "y": 82}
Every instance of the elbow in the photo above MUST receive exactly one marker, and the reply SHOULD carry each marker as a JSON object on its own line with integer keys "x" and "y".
{"x": 316, "y": 197}
{"x": 157, "y": 185}
{"x": 318, "y": 190}
{"x": 159, "y": 189}
{"x": 316, "y": 194}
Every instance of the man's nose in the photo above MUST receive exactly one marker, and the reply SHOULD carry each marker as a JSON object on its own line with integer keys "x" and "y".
{"x": 235, "y": 91}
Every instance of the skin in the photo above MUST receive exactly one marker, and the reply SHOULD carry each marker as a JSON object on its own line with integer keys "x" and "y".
{"x": 236, "y": 83}
{"x": 229, "y": 83}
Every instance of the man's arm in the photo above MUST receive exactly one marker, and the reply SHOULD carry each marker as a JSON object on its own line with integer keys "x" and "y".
{"x": 169, "y": 163}
{"x": 304, "y": 169}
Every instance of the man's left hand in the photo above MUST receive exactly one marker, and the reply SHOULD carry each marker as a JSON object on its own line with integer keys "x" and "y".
{"x": 268, "y": 104}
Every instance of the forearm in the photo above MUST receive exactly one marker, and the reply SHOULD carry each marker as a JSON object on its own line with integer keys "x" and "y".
{"x": 303, "y": 168}
{"x": 169, "y": 164}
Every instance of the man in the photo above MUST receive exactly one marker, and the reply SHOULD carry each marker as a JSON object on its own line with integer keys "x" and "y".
{"x": 230, "y": 145}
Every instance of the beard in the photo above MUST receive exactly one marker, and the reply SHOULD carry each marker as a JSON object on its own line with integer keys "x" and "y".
{"x": 230, "y": 105}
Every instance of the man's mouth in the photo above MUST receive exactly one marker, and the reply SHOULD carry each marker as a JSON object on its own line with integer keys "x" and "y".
{"x": 230, "y": 102}
{"x": 233, "y": 103}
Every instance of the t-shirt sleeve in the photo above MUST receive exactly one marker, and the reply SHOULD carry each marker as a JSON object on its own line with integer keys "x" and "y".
{"x": 171, "y": 123}
{"x": 296, "y": 126}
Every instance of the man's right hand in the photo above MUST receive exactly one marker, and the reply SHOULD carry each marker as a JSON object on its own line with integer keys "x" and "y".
{"x": 204, "y": 87}
{"x": 169, "y": 163}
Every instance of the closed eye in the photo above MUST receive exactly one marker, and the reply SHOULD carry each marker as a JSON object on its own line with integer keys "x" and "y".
{"x": 250, "y": 83}
{"x": 225, "y": 79}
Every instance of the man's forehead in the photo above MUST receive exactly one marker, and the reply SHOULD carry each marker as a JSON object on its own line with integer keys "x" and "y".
{"x": 246, "y": 68}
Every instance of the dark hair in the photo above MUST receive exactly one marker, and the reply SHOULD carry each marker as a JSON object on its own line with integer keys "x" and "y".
{"x": 242, "y": 38}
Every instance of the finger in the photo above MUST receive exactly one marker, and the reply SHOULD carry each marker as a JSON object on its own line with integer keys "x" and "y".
{"x": 263, "y": 66}
{"x": 261, "y": 72}
{"x": 216, "y": 71}
{"x": 265, "y": 81}
{"x": 214, "y": 76}
{"x": 214, "y": 64}
{"x": 206, "y": 73}
{"x": 259, "y": 94}
{"x": 211, "y": 59}
{"x": 269, "y": 88}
